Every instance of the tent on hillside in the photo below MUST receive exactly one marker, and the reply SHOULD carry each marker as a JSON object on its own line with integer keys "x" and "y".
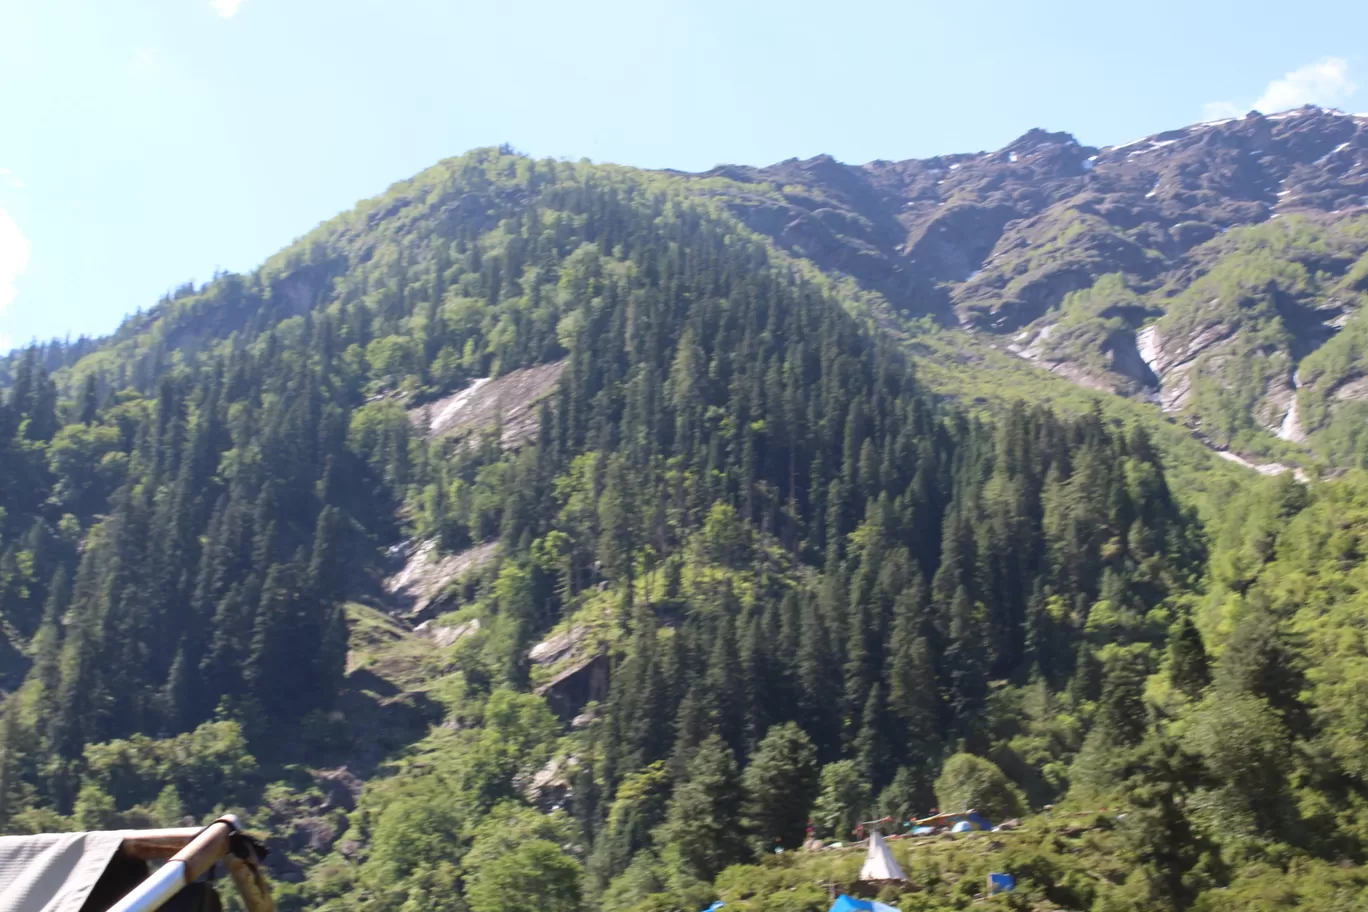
{"x": 879, "y": 862}
{"x": 845, "y": 903}
{"x": 108, "y": 872}
{"x": 971, "y": 817}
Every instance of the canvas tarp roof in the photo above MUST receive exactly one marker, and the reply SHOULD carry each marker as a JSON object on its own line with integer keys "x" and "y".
{"x": 880, "y": 863}
{"x": 53, "y": 872}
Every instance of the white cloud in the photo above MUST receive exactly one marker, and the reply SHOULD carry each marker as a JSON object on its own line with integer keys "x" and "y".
{"x": 6, "y": 343}
{"x": 1220, "y": 110}
{"x": 14, "y": 257}
{"x": 226, "y": 8}
{"x": 1326, "y": 82}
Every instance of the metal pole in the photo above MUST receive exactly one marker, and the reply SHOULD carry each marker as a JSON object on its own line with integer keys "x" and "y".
{"x": 185, "y": 867}
{"x": 154, "y": 892}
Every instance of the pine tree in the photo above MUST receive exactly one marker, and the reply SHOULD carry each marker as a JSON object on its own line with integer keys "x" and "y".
{"x": 272, "y": 669}
{"x": 913, "y": 695}
{"x": 90, "y": 401}
{"x": 1122, "y": 717}
{"x": 47, "y": 643}
{"x": 763, "y": 681}
{"x": 872, "y": 744}
{"x": 723, "y": 685}
{"x": 1158, "y": 834}
{"x": 690, "y": 730}
{"x": 331, "y": 662}
{"x": 967, "y": 661}
{"x": 843, "y": 799}
{"x": 1262, "y": 659}
{"x": 908, "y": 795}
{"x": 702, "y": 832}
{"x": 780, "y": 784}
{"x": 1188, "y": 666}
{"x": 324, "y": 579}
{"x": 1086, "y": 685}
{"x": 818, "y": 679}
{"x": 11, "y": 766}
{"x": 176, "y": 695}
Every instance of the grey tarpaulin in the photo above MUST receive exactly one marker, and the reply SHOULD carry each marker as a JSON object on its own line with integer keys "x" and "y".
{"x": 52, "y": 872}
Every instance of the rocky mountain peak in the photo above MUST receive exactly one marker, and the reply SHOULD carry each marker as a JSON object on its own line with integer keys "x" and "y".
{"x": 998, "y": 242}
{"x": 1036, "y": 139}
{"x": 950, "y": 218}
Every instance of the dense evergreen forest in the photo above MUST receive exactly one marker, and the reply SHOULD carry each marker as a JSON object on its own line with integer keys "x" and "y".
{"x": 822, "y": 593}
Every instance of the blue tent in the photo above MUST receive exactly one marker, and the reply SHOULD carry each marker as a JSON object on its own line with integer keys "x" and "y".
{"x": 1000, "y": 883}
{"x": 845, "y": 903}
{"x": 971, "y": 821}
{"x": 715, "y": 906}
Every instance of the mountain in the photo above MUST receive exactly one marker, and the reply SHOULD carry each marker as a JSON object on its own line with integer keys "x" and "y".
{"x": 1216, "y": 270}
{"x": 558, "y": 535}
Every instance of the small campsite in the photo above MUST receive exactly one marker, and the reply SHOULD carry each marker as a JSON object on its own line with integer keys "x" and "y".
{"x": 1056, "y": 860}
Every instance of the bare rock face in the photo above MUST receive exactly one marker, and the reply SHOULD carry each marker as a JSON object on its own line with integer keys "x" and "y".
{"x": 415, "y": 588}
{"x": 953, "y": 243}
{"x": 555, "y": 648}
{"x": 314, "y": 833}
{"x": 508, "y": 402}
{"x": 310, "y": 821}
{"x": 1355, "y": 390}
{"x": 445, "y": 636}
{"x": 341, "y": 787}
{"x": 549, "y": 789}
{"x": 1127, "y": 360}
{"x": 580, "y": 683}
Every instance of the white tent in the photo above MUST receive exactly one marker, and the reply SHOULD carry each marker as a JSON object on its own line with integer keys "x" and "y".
{"x": 90, "y": 872}
{"x": 880, "y": 863}
{"x": 53, "y": 873}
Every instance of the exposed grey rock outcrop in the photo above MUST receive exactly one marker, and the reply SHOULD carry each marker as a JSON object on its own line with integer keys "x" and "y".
{"x": 508, "y": 402}
{"x": 426, "y": 573}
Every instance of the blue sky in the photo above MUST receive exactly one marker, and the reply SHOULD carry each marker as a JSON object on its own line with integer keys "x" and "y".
{"x": 145, "y": 143}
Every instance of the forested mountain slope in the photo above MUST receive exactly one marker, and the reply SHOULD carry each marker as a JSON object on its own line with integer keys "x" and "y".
{"x": 714, "y": 562}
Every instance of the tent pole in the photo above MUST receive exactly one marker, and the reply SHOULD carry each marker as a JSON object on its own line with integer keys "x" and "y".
{"x": 251, "y": 886}
{"x": 185, "y": 867}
